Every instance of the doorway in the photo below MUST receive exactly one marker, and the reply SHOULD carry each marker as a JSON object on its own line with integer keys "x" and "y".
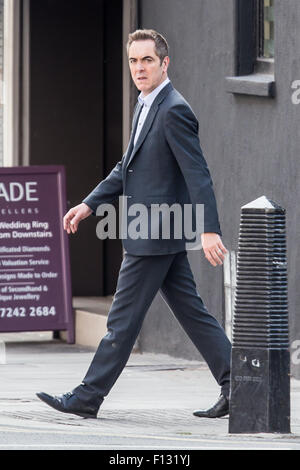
{"x": 75, "y": 116}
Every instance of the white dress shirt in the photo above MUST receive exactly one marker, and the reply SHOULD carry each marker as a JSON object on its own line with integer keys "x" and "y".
{"x": 146, "y": 102}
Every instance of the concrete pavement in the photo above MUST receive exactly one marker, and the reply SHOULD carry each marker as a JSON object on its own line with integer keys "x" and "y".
{"x": 150, "y": 406}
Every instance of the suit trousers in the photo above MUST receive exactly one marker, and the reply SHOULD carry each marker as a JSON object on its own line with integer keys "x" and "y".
{"x": 140, "y": 278}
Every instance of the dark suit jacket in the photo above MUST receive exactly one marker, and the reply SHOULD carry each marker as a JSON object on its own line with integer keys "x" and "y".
{"x": 165, "y": 166}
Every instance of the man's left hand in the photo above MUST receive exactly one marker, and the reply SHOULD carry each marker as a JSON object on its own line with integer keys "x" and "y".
{"x": 213, "y": 248}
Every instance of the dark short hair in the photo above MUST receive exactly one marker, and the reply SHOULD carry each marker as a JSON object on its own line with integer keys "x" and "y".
{"x": 161, "y": 45}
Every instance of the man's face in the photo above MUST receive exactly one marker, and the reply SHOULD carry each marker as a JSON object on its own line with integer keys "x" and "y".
{"x": 146, "y": 70}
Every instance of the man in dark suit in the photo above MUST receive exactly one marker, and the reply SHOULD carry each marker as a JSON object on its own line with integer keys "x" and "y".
{"x": 163, "y": 164}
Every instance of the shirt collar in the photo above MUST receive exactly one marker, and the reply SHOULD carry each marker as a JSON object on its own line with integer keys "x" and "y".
{"x": 148, "y": 99}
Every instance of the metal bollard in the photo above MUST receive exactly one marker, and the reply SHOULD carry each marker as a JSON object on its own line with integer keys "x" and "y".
{"x": 260, "y": 363}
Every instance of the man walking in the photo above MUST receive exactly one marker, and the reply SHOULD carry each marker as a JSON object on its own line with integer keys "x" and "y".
{"x": 164, "y": 143}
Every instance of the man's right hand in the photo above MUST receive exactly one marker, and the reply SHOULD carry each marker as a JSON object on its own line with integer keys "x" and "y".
{"x": 74, "y": 216}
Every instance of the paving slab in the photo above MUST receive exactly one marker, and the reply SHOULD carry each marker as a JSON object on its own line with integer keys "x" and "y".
{"x": 149, "y": 407}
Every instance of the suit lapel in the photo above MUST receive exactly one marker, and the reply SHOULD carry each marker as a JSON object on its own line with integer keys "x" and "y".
{"x": 148, "y": 123}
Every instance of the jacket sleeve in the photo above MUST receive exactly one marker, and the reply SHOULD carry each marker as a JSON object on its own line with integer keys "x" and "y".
{"x": 108, "y": 190}
{"x": 181, "y": 130}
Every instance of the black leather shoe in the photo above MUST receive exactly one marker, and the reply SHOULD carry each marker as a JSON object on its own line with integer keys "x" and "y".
{"x": 221, "y": 408}
{"x": 68, "y": 403}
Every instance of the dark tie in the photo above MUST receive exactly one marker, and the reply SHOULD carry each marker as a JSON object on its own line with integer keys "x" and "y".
{"x": 135, "y": 121}
{"x": 134, "y": 125}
